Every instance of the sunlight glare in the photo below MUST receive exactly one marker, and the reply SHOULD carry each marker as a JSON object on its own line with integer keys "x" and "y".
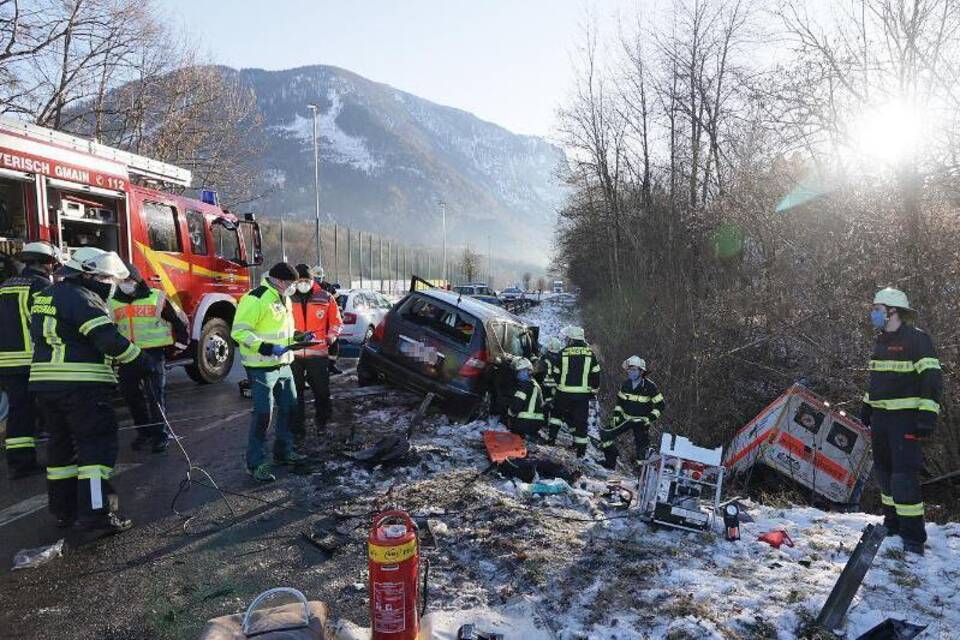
{"x": 889, "y": 134}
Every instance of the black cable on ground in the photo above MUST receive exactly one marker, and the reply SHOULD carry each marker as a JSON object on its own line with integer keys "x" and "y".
{"x": 185, "y": 484}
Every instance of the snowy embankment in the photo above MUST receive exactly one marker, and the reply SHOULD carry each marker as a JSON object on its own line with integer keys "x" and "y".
{"x": 563, "y": 567}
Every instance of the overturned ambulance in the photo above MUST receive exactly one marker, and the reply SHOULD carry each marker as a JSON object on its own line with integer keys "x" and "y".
{"x": 803, "y": 438}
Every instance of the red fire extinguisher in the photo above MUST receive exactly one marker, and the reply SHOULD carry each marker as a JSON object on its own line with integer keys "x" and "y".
{"x": 394, "y": 565}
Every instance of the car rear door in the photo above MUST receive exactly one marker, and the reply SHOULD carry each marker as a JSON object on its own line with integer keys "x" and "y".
{"x": 433, "y": 338}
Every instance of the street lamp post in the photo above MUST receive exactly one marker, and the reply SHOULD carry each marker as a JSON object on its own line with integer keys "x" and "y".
{"x": 316, "y": 172}
{"x": 443, "y": 222}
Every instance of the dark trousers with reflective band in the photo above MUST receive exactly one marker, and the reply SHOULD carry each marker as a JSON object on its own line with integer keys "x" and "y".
{"x": 897, "y": 460}
{"x": 269, "y": 388}
{"x": 573, "y": 409}
{"x": 315, "y": 371}
{"x": 609, "y": 435}
{"x": 526, "y": 427}
{"x": 82, "y": 451}
{"x": 21, "y": 444}
{"x": 143, "y": 391}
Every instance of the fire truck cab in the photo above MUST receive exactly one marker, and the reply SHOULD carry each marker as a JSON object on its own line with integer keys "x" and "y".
{"x": 74, "y": 193}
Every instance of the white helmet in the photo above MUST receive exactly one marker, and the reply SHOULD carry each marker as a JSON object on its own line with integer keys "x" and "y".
{"x": 317, "y": 272}
{"x": 40, "y": 251}
{"x": 635, "y": 361}
{"x": 892, "y": 298}
{"x": 554, "y": 344}
{"x": 96, "y": 262}
{"x": 571, "y": 332}
{"x": 522, "y": 363}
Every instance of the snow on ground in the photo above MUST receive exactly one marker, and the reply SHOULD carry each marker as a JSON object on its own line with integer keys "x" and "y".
{"x": 562, "y": 567}
{"x": 551, "y": 315}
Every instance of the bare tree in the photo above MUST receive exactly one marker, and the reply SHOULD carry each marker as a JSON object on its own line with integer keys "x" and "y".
{"x": 469, "y": 264}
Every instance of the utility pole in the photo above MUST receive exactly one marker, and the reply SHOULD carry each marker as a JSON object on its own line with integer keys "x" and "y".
{"x": 380, "y": 261}
{"x": 360, "y": 255}
{"x": 349, "y": 260}
{"x": 316, "y": 174}
{"x": 489, "y": 262}
{"x": 336, "y": 254}
{"x": 443, "y": 222}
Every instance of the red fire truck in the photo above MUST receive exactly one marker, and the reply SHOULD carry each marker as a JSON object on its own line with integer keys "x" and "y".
{"x": 74, "y": 193}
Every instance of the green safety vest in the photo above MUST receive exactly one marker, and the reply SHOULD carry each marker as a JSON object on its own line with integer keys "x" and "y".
{"x": 263, "y": 315}
{"x": 140, "y": 321}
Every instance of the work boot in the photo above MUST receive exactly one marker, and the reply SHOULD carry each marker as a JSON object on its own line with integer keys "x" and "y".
{"x": 334, "y": 371}
{"x": 290, "y": 458}
{"x": 65, "y": 522}
{"x": 913, "y": 547}
{"x": 160, "y": 444}
{"x": 262, "y": 472}
{"x": 32, "y": 469}
{"x": 86, "y": 531}
{"x": 609, "y": 458}
{"x": 140, "y": 441}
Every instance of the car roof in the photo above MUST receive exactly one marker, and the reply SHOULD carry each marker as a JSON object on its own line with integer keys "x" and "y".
{"x": 482, "y": 310}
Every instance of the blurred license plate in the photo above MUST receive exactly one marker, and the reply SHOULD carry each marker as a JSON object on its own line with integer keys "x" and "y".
{"x": 418, "y": 351}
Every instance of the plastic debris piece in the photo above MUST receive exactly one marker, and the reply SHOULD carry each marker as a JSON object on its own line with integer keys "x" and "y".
{"x": 776, "y": 538}
{"x": 33, "y": 558}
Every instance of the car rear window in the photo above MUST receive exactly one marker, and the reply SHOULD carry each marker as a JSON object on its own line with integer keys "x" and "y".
{"x": 452, "y": 323}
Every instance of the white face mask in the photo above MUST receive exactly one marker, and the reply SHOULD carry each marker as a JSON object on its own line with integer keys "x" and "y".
{"x": 128, "y": 287}
{"x": 304, "y": 286}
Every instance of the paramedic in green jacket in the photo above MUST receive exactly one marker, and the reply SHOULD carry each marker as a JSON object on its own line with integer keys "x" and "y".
{"x": 263, "y": 328}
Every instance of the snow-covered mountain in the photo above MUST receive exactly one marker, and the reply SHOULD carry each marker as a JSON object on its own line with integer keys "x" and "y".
{"x": 388, "y": 158}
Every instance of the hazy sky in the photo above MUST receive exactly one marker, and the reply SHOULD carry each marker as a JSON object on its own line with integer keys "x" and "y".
{"x": 507, "y": 61}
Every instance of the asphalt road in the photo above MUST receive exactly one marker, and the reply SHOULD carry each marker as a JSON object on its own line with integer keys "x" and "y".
{"x": 212, "y": 422}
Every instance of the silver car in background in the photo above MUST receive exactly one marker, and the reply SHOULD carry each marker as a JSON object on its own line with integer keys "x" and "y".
{"x": 361, "y": 311}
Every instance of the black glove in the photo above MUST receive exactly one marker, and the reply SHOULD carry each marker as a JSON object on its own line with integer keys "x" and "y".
{"x": 265, "y": 349}
{"x": 923, "y": 429}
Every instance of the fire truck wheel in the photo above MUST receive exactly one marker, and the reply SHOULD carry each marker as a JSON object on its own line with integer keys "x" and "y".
{"x": 215, "y": 351}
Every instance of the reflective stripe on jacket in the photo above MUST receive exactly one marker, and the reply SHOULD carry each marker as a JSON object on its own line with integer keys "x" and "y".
{"x": 579, "y": 369}
{"x": 16, "y": 297}
{"x": 263, "y": 317}
{"x": 318, "y": 313}
{"x": 75, "y": 340}
{"x": 905, "y": 375}
{"x": 141, "y": 321}
{"x": 643, "y": 403}
{"x": 527, "y": 402}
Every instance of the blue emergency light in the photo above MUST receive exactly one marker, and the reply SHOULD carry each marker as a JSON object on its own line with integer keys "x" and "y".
{"x": 209, "y": 196}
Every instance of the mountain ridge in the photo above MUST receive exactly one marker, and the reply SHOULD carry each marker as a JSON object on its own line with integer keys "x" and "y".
{"x": 388, "y": 157}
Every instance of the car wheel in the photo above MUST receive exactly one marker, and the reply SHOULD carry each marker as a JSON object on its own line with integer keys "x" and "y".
{"x": 215, "y": 352}
{"x": 366, "y": 375}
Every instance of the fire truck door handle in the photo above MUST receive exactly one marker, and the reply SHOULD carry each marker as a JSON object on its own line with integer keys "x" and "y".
{"x": 154, "y": 278}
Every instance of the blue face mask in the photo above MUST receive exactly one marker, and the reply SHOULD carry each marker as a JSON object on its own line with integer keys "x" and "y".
{"x": 523, "y": 375}
{"x": 878, "y": 318}
{"x": 633, "y": 374}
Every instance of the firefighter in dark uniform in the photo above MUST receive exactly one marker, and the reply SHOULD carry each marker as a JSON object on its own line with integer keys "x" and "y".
{"x": 525, "y": 415}
{"x": 16, "y": 352}
{"x": 577, "y": 384}
{"x": 639, "y": 404}
{"x": 75, "y": 347}
{"x": 901, "y": 408}
{"x": 550, "y": 362}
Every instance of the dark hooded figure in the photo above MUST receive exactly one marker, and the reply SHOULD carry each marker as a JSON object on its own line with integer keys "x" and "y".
{"x": 154, "y": 323}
